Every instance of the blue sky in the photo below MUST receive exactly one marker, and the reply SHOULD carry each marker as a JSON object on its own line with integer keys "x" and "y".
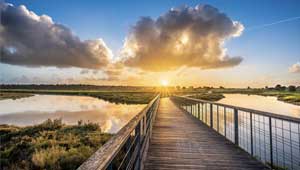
{"x": 270, "y": 49}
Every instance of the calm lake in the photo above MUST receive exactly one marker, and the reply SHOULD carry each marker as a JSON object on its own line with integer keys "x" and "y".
{"x": 263, "y": 103}
{"x": 110, "y": 116}
{"x": 36, "y": 109}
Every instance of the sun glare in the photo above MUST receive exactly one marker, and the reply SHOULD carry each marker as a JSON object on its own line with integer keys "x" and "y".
{"x": 164, "y": 83}
{"x": 184, "y": 39}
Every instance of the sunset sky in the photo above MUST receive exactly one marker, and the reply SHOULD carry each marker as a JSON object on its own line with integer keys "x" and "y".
{"x": 200, "y": 43}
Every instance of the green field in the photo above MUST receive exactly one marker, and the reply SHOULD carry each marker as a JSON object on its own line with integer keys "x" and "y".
{"x": 286, "y": 96}
{"x": 208, "y": 96}
{"x": 142, "y": 95}
{"x": 13, "y": 96}
{"x": 111, "y": 96}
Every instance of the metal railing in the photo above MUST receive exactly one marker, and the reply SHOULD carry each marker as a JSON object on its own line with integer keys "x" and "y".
{"x": 271, "y": 138}
{"x": 128, "y": 148}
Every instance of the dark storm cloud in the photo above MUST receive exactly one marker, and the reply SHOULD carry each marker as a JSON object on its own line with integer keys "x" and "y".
{"x": 31, "y": 40}
{"x": 185, "y": 36}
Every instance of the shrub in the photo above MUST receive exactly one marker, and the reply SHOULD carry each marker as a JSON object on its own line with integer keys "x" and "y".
{"x": 292, "y": 88}
{"x": 50, "y": 145}
{"x": 48, "y": 158}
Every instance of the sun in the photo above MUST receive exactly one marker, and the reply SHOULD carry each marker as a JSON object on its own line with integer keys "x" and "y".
{"x": 184, "y": 39}
{"x": 164, "y": 83}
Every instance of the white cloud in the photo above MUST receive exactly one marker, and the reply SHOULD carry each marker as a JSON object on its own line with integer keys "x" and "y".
{"x": 38, "y": 41}
{"x": 295, "y": 68}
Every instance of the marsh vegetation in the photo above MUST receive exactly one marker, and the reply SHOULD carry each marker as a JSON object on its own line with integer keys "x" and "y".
{"x": 49, "y": 145}
{"x": 8, "y": 95}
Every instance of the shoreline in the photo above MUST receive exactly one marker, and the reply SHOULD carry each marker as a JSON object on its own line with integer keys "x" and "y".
{"x": 139, "y": 97}
{"x": 111, "y": 96}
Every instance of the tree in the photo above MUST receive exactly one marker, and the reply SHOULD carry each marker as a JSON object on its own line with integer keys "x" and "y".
{"x": 191, "y": 87}
{"x": 292, "y": 88}
{"x": 278, "y": 87}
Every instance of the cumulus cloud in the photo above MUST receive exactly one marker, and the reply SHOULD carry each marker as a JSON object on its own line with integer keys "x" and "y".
{"x": 184, "y": 36}
{"x": 31, "y": 40}
{"x": 295, "y": 68}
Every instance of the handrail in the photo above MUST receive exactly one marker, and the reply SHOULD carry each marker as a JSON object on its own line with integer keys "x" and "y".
{"x": 129, "y": 145}
{"x": 275, "y": 115}
{"x": 271, "y": 138}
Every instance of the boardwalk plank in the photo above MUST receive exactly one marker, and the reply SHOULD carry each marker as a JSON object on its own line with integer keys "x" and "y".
{"x": 179, "y": 141}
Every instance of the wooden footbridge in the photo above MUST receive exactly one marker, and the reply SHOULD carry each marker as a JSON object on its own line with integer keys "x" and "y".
{"x": 185, "y": 133}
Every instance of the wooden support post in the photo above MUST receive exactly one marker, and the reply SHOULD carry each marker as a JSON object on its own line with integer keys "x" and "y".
{"x": 138, "y": 133}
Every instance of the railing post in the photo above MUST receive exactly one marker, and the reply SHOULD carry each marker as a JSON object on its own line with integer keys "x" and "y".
{"x": 202, "y": 112}
{"x": 225, "y": 121}
{"x": 236, "y": 127}
{"x": 251, "y": 133}
{"x": 211, "y": 116}
{"x": 218, "y": 118}
{"x": 198, "y": 110}
{"x": 206, "y": 114}
{"x": 138, "y": 133}
{"x": 110, "y": 166}
{"x": 271, "y": 142}
{"x": 193, "y": 109}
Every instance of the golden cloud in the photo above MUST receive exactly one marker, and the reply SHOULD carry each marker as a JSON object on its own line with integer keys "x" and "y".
{"x": 185, "y": 36}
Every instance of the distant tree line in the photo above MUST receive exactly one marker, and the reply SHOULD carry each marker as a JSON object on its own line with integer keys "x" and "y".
{"x": 278, "y": 87}
{"x": 72, "y": 87}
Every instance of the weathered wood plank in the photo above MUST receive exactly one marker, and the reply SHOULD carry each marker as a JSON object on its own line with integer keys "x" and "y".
{"x": 179, "y": 141}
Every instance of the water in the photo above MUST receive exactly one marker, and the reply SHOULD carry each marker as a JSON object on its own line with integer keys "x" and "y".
{"x": 263, "y": 103}
{"x": 36, "y": 109}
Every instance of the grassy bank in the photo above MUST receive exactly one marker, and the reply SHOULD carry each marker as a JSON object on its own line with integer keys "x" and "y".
{"x": 208, "y": 96}
{"x": 111, "y": 96}
{"x": 50, "y": 145}
{"x": 138, "y": 96}
{"x": 285, "y": 96}
{"x": 14, "y": 96}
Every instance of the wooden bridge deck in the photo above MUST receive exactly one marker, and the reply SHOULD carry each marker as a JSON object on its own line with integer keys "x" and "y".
{"x": 179, "y": 141}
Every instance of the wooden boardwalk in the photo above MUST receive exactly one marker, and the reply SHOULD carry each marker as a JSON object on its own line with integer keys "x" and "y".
{"x": 179, "y": 141}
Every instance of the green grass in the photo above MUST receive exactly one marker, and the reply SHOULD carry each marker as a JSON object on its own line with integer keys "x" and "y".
{"x": 14, "y": 96}
{"x": 51, "y": 145}
{"x": 111, "y": 96}
{"x": 208, "y": 96}
{"x": 140, "y": 97}
{"x": 285, "y": 96}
